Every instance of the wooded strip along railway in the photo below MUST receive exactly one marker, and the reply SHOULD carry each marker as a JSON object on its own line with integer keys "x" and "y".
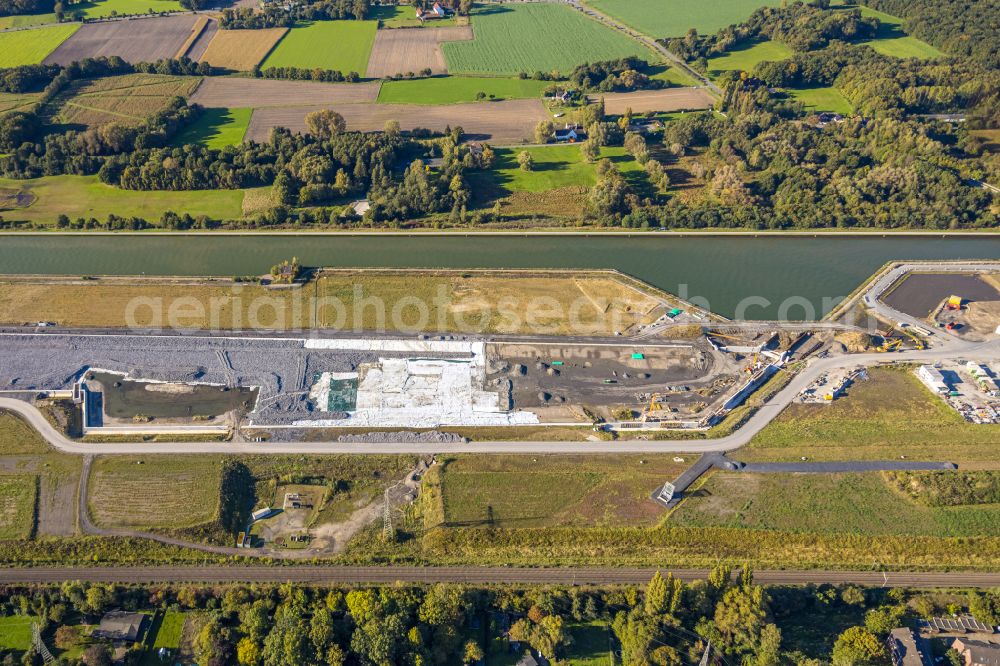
{"x": 335, "y": 575}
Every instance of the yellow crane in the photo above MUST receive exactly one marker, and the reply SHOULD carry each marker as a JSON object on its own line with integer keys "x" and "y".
{"x": 654, "y": 405}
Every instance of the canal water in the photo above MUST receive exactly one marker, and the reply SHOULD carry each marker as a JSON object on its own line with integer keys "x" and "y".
{"x": 804, "y": 276}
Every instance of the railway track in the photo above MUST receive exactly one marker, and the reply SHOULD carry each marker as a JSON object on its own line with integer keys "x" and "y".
{"x": 337, "y": 575}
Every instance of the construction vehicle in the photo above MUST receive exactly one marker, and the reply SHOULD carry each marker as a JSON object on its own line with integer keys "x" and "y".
{"x": 655, "y": 405}
{"x": 918, "y": 343}
{"x": 890, "y": 345}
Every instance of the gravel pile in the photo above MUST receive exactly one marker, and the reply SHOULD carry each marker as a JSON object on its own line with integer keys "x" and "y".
{"x": 282, "y": 368}
{"x": 429, "y": 437}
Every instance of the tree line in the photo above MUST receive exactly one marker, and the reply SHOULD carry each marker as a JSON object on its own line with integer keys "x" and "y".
{"x": 665, "y": 623}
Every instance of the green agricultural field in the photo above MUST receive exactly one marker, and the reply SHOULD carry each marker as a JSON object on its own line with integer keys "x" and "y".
{"x": 26, "y": 20}
{"x": 521, "y": 492}
{"x": 456, "y": 89}
{"x": 217, "y": 128}
{"x": 673, "y": 18}
{"x": 18, "y": 495}
{"x": 30, "y": 47}
{"x": 536, "y": 37}
{"x": 889, "y": 415}
{"x": 822, "y": 99}
{"x": 340, "y": 45}
{"x": 104, "y": 8}
{"x": 86, "y": 197}
{"x": 892, "y": 41}
{"x": 744, "y": 57}
{"x": 403, "y": 16}
{"x": 839, "y": 503}
{"x": 671, "y": 74}
{"x": 15, "y": 632}
{"x": 557, "y": 166}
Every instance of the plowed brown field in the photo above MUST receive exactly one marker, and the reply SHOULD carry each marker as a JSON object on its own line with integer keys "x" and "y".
{"x": 669, "y": 99}
{"x": 262, "y": 93}
{"x": 405, "y": 50}
{"x": 499, "y": 122}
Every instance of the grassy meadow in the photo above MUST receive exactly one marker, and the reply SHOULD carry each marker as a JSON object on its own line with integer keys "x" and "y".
{"x": 15, "y": 632}
{"x": 536, "y": 37}
{"x": 105, "y": 8}
{"x": 340, "y": 45}
{"x": 744, "y": 57}
{"x": 822, "y": 99}
{"x": 892, "y": 41}
{"x": 456, "y": 89}
{"x": 862, "y": 503}
{"x": 18, "y": 495}
{"x": 673, "y": 18}
{"x": 217, "y": 128}
{"x": 548, "y": 490}
{"x": 86, "y": 197}
{"x": 26, "y": 20}
{"x": 558, "y": 166}
{"x": 890, "y": 415}
{"x": 154, "y": 492}
{"x": 30, "y": 47}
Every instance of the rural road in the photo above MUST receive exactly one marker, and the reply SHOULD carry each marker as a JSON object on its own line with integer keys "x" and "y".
{"x": 319, "y": 575}
{"x": 984, "y": 351}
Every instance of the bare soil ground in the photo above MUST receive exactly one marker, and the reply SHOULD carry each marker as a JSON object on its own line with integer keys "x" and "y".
{"x": 413, "y": 49}
{"x": 134, "y": 40}
{"x": 918, "y": 294}
{"x": 241, "y": 50}
{"x": 500, "y": 122}
{"x": 263, "y": 93}
{"x": 670, "y": 99}
{"x": 197, "y": 48}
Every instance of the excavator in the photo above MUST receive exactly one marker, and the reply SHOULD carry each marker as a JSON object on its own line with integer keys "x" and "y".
{"x": 655, "y": 405}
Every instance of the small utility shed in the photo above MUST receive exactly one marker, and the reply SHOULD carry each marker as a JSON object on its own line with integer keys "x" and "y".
{"x": 120, "y": 626}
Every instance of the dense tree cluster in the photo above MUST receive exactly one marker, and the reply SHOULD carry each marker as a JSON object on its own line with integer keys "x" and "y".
{"x": 620, "y": 75}
{"x": 878, "y": 85}
{"x": 13, "y": 7}
{"x": 274, "y": 15}
{"x": 957, "y": 27}
{"x": 770, "y": 173}
{"x": 800, "y": 26}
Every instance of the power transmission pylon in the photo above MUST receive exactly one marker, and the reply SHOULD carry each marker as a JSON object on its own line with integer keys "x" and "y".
{"x": 39, "y": 644}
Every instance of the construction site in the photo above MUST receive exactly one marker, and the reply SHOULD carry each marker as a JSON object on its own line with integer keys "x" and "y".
{"x": 143, "y": 384}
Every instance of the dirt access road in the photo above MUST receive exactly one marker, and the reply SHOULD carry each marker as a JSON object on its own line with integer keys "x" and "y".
{"x": 320, "y": 575}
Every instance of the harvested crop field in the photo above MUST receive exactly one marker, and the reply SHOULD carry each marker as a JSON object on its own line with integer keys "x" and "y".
{"x": 262, "y": 93}
{"x": 670, "y": 99}
{"x": 134, "y": 40}
{"x": 199, "y": 39}
{"x": 501, "y": 122}
{"x": 241, "y": 50}
{"x": 30, "y": 47}
{"x": 413, "y": 49}
{"x": 16, "y": 102}
{"x": 128, "y": 99}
